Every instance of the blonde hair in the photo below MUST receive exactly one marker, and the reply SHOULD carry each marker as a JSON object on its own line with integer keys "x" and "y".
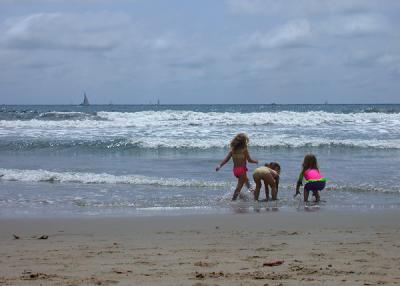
{"x": 239, "y": 142}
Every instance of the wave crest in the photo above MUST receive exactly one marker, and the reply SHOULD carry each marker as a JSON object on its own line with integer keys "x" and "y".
{"x": 36, "y": 176}
{"x": 102, "y": 178}
{"x": 60, "y": 116}
{"x": 146, "y": 143}
{"x": 173, "y": 118}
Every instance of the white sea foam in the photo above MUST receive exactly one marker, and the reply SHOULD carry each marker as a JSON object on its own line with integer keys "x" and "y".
{"x": 192, "y": 118}
{"x": 273, "y": 141}
{"x": 40, "y": 175}
{"x": 102, "y": 178}
{"x": 189, "y": 129}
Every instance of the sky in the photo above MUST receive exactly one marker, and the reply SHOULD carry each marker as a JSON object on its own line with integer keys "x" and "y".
{"x": 199, "y": 52}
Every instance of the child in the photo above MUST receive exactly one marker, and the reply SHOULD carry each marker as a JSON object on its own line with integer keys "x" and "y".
{"x": 314, "y": 180}
{"x": 270, "y": 175}
{"x": 240, "y": 155}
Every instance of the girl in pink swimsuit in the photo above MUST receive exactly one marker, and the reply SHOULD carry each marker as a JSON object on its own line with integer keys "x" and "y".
{"x": 315, "y": 182}
{"x": 240, "y": 155}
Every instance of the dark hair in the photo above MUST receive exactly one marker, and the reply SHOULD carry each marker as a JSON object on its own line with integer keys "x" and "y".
{"x": 239, "y": 142}
{"x": 310, "y": 162}
{"x": 274, "y": 166}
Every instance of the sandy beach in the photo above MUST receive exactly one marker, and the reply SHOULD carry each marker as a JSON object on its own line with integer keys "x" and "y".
{"x": 331, "y": 248}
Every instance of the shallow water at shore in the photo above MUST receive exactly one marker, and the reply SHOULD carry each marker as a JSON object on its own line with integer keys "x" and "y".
{"x": 141, "y": 160}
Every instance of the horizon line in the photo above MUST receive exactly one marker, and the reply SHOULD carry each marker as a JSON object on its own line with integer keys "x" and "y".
{"x": 169, "y": 104}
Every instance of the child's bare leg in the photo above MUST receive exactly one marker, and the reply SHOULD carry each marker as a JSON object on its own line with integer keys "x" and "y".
{"x": 266, "y": 192}
{"x": 248, "y": 185}
{"x": 258, "y": 187}
{"x": 270, "y": 181}
{"x": 305, "y": 195}
{"x": 241, "y": 181}
{"x": 316, "y": 195}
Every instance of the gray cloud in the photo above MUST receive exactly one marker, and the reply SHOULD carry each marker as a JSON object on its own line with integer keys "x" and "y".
{"x": 65, "y": 31}
{"x": 364, "y": 59}
{"x": 129, "y": 51}
{"x": 197, "y": 62}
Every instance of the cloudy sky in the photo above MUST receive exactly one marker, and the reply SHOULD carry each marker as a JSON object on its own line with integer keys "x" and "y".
{"x": 209, "y": 51}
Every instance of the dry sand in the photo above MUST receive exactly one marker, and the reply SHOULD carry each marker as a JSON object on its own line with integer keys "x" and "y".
{"x": 330, "y": 248}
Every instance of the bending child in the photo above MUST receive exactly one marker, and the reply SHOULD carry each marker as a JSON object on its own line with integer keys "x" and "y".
{"x": 313, "y": 179}
{"x": 240, "y": 155}
{"x": 270, "y": 175}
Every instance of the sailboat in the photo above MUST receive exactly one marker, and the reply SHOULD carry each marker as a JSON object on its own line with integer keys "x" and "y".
{"x": 85, "y": 100}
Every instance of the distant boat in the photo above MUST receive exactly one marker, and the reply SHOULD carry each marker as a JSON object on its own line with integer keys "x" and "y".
{"x": 158, "y": 102}
{"x": 85, "y": 100}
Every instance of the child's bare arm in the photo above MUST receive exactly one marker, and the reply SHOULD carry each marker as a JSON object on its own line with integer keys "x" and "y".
{"x": 298, "y": 187}
{"x": 299, "y": 183}
{"x": 223, "y": 162}
{"x": 274, "y": 173}
{"x": 249, "y": 159}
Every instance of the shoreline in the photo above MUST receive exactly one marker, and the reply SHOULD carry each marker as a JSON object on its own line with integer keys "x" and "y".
{"x": 241, "y": 208}
{"x": 250, "y": 221}
{"x": 331, "y": 247}
{"x": 333, "y": 216}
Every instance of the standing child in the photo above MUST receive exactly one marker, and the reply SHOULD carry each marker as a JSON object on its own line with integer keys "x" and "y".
{"x": 240, "y": 155}
{"x": 270, "y": 175}
{"x": 313, "y": 179}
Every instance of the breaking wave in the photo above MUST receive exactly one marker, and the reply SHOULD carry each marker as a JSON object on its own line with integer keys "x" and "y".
{"x": 182, "y": 129}
{"x": 102, "y": 178}
{"x": 171, "y": 118}
{"x": 273, "y": 142}
{"x": 36, "y": 176}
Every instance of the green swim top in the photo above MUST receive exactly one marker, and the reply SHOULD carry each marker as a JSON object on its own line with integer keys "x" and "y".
{"x": 310, "y": 176}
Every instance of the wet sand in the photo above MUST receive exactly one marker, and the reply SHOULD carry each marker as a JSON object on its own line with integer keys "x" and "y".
{"x": 330, "y": 248}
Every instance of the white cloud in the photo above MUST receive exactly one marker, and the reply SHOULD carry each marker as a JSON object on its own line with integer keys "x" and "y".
{"x": 293, "y": 34}
{"x": 246, "y": 6}
{"x": 389, "y": 59}
{"x": 144, "y": 48}
{"x": 40, "y": 2}
{"x": 357, "y": 25}
{"x": 298, "y": 8}
{"x": 162, "y": 43}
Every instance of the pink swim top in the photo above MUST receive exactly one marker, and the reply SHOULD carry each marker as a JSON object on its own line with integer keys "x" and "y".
{"x": 312, "y": 174}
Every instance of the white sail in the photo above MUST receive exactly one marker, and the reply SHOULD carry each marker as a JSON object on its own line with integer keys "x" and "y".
{"x": 85, "y": 100}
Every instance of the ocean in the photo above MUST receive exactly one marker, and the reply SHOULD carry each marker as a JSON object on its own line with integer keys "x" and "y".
{"x": 141, "y": 160}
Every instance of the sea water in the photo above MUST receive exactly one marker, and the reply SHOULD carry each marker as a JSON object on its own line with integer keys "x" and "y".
{"x": 124, "y": 160}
